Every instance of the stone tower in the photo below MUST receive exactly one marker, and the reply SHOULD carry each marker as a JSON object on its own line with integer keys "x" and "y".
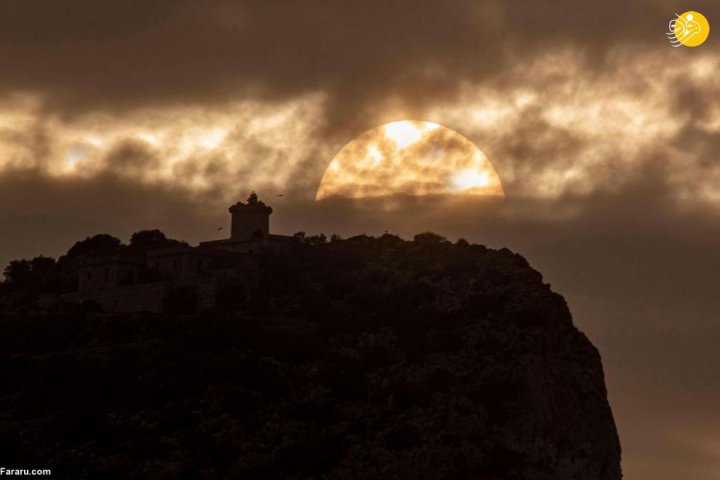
{"x": 250, "y": 220}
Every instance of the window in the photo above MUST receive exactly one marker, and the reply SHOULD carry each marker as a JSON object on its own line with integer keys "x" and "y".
{"x": 199, "y": 265}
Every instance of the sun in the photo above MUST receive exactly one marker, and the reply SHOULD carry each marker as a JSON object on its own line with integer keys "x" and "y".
{"x": 409, "y": 158}
{"x": 407, "y": 133}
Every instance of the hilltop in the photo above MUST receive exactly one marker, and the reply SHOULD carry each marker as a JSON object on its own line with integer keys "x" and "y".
{"x": 351, "y": 359}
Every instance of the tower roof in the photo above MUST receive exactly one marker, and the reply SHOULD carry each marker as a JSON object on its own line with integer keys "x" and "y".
{"x": 253, "y": 203}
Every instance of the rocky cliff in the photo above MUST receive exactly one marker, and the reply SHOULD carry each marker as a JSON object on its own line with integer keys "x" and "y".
{"x": 355, "y": 359}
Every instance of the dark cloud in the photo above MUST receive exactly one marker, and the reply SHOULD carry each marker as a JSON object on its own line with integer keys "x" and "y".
{"x": 88, "y": 54}
{"x": 130, "y": 158}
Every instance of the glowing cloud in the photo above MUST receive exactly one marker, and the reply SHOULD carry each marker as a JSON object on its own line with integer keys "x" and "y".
{"x": 241, "y": 145}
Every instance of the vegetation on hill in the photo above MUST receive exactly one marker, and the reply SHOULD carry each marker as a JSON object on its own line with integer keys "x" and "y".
{"x": 349, "y": 359}
{"x": 45, "y": 274}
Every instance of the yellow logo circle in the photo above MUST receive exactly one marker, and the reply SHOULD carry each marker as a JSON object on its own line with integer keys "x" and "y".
{"x": 690, "y": 29}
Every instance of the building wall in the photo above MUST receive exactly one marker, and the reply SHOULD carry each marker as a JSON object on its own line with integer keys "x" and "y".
{"x": 246, "y": 222}
{"x": 206, "y": 294}
{"x": 97, "y": 277}
{"x": 232, "y": 246}
{"x": 179, "y": 266}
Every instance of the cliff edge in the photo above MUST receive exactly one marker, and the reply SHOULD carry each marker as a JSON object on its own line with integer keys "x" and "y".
{"x": 354, "y": 359}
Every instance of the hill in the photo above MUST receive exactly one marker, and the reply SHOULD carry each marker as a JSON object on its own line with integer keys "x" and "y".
{"x": 353, "y": 359}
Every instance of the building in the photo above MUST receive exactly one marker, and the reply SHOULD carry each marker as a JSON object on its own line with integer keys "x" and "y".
{"x": 181, "y": 262}
{"x": 250, "y": 220}
{"x": 250, "y": 230}
{"x": 109, "y": 271}
{"x": 131, "y": 282}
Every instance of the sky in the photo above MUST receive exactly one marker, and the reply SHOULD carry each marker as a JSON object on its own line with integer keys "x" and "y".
{"x": 121, "y": 115}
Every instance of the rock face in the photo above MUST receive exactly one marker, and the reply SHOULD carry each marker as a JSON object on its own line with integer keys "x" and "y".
{"x": 356, "y": 359}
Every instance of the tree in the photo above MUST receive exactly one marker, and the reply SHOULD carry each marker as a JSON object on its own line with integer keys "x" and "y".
{"x": 38, "y": 274}
{"x": 18, "y": 272}
{"x": 316, "y": 239}
{"x": 145, "y": 237}
{"x": 100, "y": 244}
{"x": 145, "y": 240}
{"x": 42, "y": 264}
{"x": 389, "y": 239}
{"x": 429, "y": 238}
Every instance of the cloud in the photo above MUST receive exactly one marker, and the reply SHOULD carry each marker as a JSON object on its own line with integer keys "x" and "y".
{"x": 552, "y": 128}
{"x": 243, "y": 145}
{"x": 118, "y": 116}
{"x": 563, "y": 98}
{"x": 87, "y": 55}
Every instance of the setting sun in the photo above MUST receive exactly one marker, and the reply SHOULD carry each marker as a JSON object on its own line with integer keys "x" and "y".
{"x": 406, "y": 133}
{"x": 409, "y": 158}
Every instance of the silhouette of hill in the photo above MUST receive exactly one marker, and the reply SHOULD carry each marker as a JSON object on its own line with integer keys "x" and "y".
{"x": 352, "y": 359}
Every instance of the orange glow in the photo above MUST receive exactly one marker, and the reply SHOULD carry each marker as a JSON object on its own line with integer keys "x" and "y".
{"x": 411, "y": 158}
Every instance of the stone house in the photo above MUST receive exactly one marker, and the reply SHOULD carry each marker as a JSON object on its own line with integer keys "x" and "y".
{"x": 129, "y": 282}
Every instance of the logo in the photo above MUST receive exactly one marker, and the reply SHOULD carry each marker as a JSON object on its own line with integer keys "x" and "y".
{"x": 690, "y": 29}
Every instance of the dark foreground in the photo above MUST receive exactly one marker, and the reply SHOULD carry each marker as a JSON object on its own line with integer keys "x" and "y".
{"x": 357, "y": 359}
